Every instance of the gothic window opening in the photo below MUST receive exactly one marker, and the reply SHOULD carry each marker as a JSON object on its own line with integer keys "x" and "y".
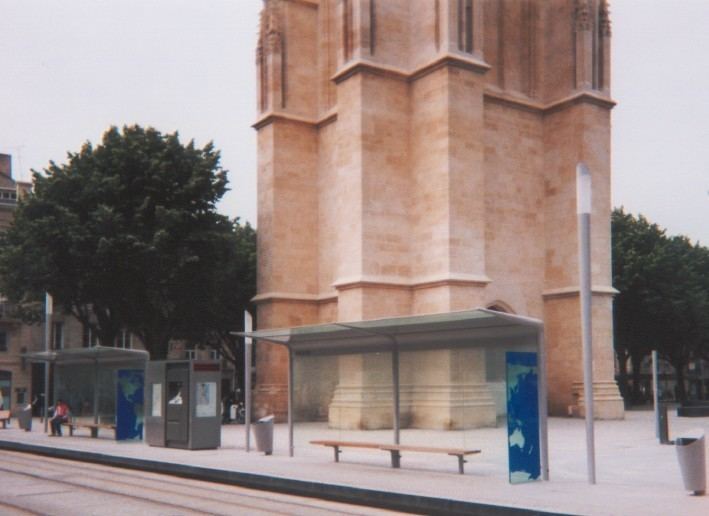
{"x": 347, "y": 29}
{"x": 465, "y": 26}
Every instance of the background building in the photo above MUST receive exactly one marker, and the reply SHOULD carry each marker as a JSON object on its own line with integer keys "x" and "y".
{"x": 15, "y": 337}
{"x": 418, "y": 156}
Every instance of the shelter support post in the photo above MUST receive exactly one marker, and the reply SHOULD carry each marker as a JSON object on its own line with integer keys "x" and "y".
{"x": 397, "y": 404}
{"x": 656, "y": 392}
{"x": 48, "y": 308}
{"x": 543, "y": 408}
{"x": 291, "y": 358}
{"x": 248, "y": 322}
{"x": 96, "y": 389}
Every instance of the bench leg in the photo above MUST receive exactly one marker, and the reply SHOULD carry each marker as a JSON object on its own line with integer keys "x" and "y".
{"x": 71, "y": 431}
{"x": 337, "y": 450}
{"x": 4, "y": 423}
{"x": 461, "y": 461}
{"x": 395, "y": 458}
{"x": 94, "y": 432}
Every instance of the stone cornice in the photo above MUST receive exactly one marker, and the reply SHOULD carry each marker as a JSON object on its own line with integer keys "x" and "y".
{"x": 282, "y": 116}
{"x": 313, "y": 4}
{"x": 363, "y": 65}
{"x": 294, "y": 297}
{"x": 455, "y": 60}
{"x": 471, "y": 280}
{"x": 493, "y": 94}
{"x": 589, "y": 97}
{"x": 401, "y": 74}
{"x": 573, "y": 291}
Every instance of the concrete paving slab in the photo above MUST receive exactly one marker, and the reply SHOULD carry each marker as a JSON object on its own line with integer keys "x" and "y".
{"x": 635, "y": 474}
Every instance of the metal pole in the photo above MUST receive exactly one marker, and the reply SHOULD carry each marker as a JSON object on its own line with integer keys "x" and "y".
{"x": 96, "y": 389}
{"x": 583, "y": 204}
{"x": 395, "y": 381}
{"x": 655, "y": 392}
{"x": 291, "y": 381}
{"x": 248, "y": 323}
{"x": 543, "y": 427}
{"x": 47, "y": 332}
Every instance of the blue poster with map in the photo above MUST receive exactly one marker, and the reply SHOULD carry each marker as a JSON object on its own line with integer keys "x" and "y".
{"x": 523, "y": 417}
{"x": 129, "y": 404}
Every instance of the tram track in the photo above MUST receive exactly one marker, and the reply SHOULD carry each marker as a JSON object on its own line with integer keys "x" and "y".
{"x": 164, "y": 494}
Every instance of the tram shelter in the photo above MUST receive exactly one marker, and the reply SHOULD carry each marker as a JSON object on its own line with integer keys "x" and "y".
{"x": 87, "y": 378}
{"x": 481, "y": 329}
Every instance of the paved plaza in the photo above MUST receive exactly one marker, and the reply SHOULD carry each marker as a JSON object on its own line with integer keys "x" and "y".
{"x": 635, "y": 474}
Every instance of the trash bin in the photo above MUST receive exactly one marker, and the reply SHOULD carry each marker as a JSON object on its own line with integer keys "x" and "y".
{"x": 24, "y": 418}
{"x": 263, "y": 432}
{"x": 691, "y": 456}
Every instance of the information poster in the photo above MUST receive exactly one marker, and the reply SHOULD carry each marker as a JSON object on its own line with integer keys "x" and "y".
{"x": 156, "y": 410}
{"x": 206, "y": 399}
{"x": 129, "y": 404}
{"x": 523, "y": 417}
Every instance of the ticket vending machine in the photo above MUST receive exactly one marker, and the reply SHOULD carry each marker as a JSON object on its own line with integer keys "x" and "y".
{"x": 182, "y": 405}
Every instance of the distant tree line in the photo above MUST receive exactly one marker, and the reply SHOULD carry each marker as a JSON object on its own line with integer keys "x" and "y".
{"x": 663, "y": 302}
{"x": 126, "y": 235}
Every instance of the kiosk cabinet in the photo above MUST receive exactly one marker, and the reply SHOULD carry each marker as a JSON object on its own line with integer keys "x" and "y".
{"x": 182, "y": 405}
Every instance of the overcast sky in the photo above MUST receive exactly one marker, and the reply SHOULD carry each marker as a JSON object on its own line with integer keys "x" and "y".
{"x": 71, "y": 68}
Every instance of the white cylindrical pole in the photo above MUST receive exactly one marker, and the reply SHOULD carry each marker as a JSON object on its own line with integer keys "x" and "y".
{"x": 248, "y": 324}
{"x": 656, "y": 392}
{"x": 48, "y": 309}
{"x": 583, "y": 205}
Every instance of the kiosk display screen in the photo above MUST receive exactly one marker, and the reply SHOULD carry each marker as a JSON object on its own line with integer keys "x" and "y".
{"x": 206, "y": 405}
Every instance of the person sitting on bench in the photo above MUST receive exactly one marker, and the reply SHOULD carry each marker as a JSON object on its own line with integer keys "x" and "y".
{"x": 61, "y": 415}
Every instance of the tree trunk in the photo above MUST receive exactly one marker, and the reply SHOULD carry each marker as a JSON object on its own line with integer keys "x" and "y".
{"x": 623, "y": 375}
{"x": 680, "y": 390}
{"x": 637, "y": 395}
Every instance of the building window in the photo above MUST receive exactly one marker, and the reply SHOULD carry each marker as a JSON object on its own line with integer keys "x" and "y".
{"x": 3, "y": 341}
{"x": 5, "y": 389}
{"x": 124, "y": 340}
{"x": 58, "y": 335}
{"x": 89, "y": 338}
{"x": 21, "y": 396}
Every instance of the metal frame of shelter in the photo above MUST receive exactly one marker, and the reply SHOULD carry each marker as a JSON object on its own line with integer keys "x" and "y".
{"x": 96, "y": 355}
{"x": 463, "y": 329}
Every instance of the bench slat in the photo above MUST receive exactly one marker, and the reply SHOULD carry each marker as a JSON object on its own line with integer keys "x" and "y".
{"x": 93, "y": 427}
{"x": 345, "y": 444}
{"x": 428, "y": 449}
{"x": 396, "y": 449}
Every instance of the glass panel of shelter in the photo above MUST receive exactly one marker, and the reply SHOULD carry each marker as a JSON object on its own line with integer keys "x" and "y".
{"x": 346, "y": 398}
{"x": 448, "y": 398}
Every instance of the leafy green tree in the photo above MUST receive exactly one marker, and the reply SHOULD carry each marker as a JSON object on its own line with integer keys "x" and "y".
{"x": 634, "y": 244}
{"x": 124, "y": 235}
{"x": 664, "y": 297}
{"x": 233, "y": 285}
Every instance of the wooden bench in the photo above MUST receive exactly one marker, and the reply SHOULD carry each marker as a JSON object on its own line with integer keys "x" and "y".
{"x": 4, "y": 417}
{"x": 396, "y": 449}
{"x": 93, "y": 427}
{"x": 336, "y": 445}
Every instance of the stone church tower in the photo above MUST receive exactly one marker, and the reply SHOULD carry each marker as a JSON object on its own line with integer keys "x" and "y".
{"x": 418, "y": 156}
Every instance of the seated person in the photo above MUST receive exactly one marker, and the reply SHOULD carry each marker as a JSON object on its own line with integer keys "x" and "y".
{"x": 61, "y": 415}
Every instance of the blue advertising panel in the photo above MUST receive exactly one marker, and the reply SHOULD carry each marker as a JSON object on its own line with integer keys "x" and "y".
{"x": 129, "y": 404}
{"x": 523, "y": 417}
